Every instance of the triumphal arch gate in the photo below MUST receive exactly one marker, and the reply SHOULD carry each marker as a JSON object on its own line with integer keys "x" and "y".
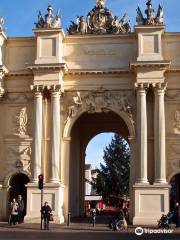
{"x": 59, "y": 90}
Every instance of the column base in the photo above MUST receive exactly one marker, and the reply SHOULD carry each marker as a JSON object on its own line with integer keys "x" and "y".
{"x": 150, "y": 202}
{"x": 142, "y": 181}
{"x": 160, "y": 181}
{"x": 53, "y": 193}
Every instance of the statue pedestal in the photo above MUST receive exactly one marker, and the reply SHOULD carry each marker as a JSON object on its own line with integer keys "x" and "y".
{"x": 150, "y": 42}
{"x": 150, "y": 202}
{"x": 53, "y": 193}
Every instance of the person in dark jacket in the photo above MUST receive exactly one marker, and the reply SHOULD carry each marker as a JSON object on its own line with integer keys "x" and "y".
{"x": 46, "y": 211}
{"x": 20, "y": 209}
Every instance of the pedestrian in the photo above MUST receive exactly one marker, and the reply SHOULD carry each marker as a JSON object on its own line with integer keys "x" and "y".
{"x": 177, "y": 215}
{"x": 46, "y": 211}
{"x": 14, "y": 212}
{"x": 20, "y": 209}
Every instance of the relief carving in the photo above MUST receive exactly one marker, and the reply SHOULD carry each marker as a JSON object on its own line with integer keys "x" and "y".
{"x": 177, "y": 119}
{"x": 100, "y": 101}
{"x": 19, "y": 158}
{"x": 21, "y": 121}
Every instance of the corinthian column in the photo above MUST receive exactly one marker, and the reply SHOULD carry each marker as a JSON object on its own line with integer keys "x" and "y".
{"x": 37, "y": 131}
{"x": 159, "y": 134}
{"x": 141, "y": 134}
{"x": 55, "y": 136}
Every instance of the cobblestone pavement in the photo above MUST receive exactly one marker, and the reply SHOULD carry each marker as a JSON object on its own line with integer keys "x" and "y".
{"x": 77, "y": 231}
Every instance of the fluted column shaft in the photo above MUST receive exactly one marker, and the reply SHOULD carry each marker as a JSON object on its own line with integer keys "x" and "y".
{"x": 37, "y": 132}
{"x": 55, "y": 133}
{"x": 141, "y": 134}
{"x": 159, "y": 134}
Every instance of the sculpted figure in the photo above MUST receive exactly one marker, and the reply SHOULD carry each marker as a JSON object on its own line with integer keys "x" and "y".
{"x": 1, "y": 23}
{"x": 40, "y": 23}
{"x": 123, "y": 25}
{"x": 90, "y": 20}
{"x": 115, "y": 25}
{"x": 100, "y": 3}
{"x": 21, "y": 121}
{"x": 149, "y": 12}
{"x": 82, "y": 26}
{"x": 72, "y": 28}
{"x": 160, "y": 15}
{"x": 139, "y": 16}
{"x": 77, "y": 100}
{"x": 48, "y": 17}
{"x": 57, "y": 20}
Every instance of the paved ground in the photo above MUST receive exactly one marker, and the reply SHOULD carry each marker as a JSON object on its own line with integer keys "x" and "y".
{"x": 76, "y": 231}
{"x": 80, "y": 229}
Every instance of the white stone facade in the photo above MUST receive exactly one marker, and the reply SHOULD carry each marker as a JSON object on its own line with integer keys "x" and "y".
{"x": 58, "y": 91}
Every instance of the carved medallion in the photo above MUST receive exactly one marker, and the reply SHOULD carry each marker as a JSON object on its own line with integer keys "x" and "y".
{"x": 99, "y": 21}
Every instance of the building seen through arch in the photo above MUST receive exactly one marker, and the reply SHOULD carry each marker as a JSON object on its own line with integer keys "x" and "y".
{"x": 58, "y": 90}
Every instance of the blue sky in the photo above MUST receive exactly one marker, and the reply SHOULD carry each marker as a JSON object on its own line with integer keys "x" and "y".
{"x": 20, "y": 15}
{"x": 94, "y": 150}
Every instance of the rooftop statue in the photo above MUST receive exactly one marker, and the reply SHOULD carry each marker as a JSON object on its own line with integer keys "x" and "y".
{"x": 150, "y": 20}
{"x": 49, "y": 20}
{"x": 99, "y": 21}
{"x": 1, "y": 23}
{"x": 100, "y": 3}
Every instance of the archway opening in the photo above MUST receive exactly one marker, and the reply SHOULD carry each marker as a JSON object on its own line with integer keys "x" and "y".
{"x": 175, "y": 190}
{"x": 17, "y": 186}
{"x": 107, "y": 173}
{"x": 84, "y": 129}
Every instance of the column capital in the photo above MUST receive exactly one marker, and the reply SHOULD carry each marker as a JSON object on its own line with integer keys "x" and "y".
{"x": 141, "y": 86}
{"x": 55, "y": 89}
{"x": 160, "y": 87}
{"x": 37, "y": 89}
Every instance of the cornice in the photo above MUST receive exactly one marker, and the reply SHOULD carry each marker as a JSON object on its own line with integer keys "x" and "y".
{"x": 20, "y": 73}
{"x": 173, "y": 70}
{"x": 49, "y": 67}
{"x": 74, "y": 72}
{"x": 49, "y": 30}
{"x": 150, "y": 64}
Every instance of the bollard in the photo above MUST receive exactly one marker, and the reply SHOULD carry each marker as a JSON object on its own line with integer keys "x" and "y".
{"x": 69, "y": 219}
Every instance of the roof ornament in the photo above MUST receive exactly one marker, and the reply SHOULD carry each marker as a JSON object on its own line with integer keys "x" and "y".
{"x": 99, "y": 21}
{"x": 49, "y": 20}
{"x": 150, "y": 20}
{"x": 1, "y": 23}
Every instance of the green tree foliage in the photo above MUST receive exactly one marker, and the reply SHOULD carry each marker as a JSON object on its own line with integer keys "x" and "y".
{"x": 113, "y": 175}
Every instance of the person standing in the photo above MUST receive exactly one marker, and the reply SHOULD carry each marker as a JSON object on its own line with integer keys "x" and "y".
{"x": 20, "y": 209}
{"x": 14, "y": 212}
{"x": 46, "y": 211}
